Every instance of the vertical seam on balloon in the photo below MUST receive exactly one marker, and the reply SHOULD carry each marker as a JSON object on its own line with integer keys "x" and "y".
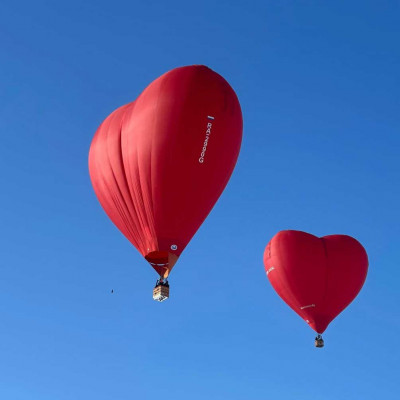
{"x": 165, "y": 269}
{"x": 123, "y": 213}
{"x": 104, "y": 181}
{"x": 132, "y": 189}
{"x": 143, "y": 197}
{"x": 326, "y": 274}
{"x": 115, "y": 198}
{"x": 133, "y": 225}
{"x": 135, "y": 188}
{"x": 150, "y": 207}
{"x": 133, "y": 193}
{"x": 121, "y": 206}
{"x": 139, "y": 194}
{"x": 100, "y": 172}
{"x": 139, "y": 240}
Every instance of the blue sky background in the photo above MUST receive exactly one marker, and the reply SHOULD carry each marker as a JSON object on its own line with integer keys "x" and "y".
{"x": 318, "y": 82}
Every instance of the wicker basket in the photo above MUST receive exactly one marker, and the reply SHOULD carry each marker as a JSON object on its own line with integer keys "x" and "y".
{"x": 161, "y": 292}
{"x": 319, "y": 342}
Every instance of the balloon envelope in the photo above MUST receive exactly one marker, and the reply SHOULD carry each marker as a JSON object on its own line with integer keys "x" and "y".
{"x": 159, "y": 164}
{"x": 317, "y": 277}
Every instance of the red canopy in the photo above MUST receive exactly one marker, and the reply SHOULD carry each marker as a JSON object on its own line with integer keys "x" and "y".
{"x": 159, "y": 164}
{"x": 317, "y": 277}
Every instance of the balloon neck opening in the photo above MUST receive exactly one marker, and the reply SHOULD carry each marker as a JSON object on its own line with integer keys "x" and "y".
{"x": 162, "y": 262}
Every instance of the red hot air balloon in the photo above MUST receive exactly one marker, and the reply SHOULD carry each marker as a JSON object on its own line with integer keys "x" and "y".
{"x": 317, "y": 277}
{"x": 159, "y": 164}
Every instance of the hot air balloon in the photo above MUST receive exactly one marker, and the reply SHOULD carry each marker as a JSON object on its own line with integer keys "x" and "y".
{"x": 317, "y": 277}
{"x": 159, "y": 164}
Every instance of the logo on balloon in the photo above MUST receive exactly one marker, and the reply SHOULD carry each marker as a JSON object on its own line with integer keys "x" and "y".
{"x": 270, "y": 269}
{"x": 310, "y": 305}
{"x": 208, "y": 133}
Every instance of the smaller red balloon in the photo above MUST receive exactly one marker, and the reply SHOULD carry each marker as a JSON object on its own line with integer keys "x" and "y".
{"x": 317, "y": 277}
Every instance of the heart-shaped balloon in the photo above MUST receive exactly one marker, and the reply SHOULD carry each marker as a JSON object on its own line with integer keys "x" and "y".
{"x": 317, "y": 277}
{"x": 159, "y": 164}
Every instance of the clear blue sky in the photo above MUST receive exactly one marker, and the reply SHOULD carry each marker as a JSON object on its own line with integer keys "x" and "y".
{"x": 318, "y": 82}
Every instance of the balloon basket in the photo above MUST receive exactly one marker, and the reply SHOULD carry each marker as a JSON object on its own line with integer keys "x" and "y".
{"x": 161, "y": 291}
{"x": 319, "y": 342}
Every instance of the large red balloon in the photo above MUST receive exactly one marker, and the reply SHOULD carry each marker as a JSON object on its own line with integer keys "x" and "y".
{"x": 317, "y": 277}
{"x": 159, "y": 164}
